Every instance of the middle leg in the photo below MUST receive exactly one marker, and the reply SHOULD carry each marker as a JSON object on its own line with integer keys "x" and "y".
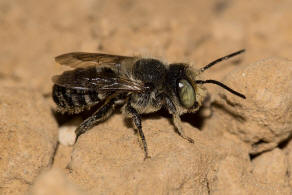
{"x": 136, "y": 118}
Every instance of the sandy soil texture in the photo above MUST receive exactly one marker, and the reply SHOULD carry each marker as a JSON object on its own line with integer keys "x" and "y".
{"x": 240, "y": 146}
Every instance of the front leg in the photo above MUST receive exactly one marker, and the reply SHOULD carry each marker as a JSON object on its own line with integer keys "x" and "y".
{"x": 176, "y": 119}
{"x": 136, "y": 118}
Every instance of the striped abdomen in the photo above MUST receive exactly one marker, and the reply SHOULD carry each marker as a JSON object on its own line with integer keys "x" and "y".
{"x": 74, "y": 100}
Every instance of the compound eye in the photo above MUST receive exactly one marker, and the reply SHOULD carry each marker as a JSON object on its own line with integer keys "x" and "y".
{"x": 186, "y": 93}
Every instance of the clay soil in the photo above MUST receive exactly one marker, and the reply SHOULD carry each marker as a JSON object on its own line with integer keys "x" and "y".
{"x": 241, "y": 146}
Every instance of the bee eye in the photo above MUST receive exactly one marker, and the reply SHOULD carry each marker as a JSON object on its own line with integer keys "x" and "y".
{"x": 186, "y": 93}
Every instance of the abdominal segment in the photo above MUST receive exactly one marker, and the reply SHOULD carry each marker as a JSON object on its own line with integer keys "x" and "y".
{"x": 74, "y": 100}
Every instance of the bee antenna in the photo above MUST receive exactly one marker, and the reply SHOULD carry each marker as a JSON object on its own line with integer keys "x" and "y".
{"x": 221, "y": 85}
{"x": 221, "y": 59}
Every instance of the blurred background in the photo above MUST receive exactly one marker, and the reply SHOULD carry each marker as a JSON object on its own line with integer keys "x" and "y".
{"x": 33, "y": 32}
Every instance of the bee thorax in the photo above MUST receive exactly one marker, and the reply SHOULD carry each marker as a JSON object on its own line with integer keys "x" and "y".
{"x": 149, "y": 71}
{"x": 146, "y": 103}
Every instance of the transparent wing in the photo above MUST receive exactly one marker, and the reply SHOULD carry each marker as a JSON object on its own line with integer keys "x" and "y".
{"x": 98, "y": 79}
{"x": 83, "y": 59}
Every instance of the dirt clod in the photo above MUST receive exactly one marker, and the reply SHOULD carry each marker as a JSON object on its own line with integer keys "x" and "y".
{"x": 262, "y": 120}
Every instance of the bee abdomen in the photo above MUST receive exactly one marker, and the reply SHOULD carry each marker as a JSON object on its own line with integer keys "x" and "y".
{"x": 74, "y": 100}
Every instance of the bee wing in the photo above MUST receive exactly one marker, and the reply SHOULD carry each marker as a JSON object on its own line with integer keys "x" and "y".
{"x": 120, "y": 84}
{"x": 102, "y": 80}
{"x": 83, "y": 59}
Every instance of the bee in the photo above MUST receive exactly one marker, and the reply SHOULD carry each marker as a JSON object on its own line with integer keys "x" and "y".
{"x": 139, "y": 85}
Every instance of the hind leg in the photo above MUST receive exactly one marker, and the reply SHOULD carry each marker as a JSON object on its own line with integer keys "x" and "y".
{"x": 103, "y": 113}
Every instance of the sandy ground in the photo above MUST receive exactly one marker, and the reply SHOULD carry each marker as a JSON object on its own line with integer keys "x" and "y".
{"x": 241, "y": 146}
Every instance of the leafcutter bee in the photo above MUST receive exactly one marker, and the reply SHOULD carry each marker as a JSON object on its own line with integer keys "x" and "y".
{"x": 139, "y": 85}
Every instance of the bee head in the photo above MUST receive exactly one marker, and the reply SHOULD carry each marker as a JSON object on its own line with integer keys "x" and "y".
{"x": 188, "y": 89}
{"x": 187, "y": 95}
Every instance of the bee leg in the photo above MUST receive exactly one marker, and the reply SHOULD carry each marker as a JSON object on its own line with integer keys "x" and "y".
{"x": 179, "y": 129}
{"x": 100, "y": 115}
{"x": 176, "y": 120}
{"x": 136, "y": 118}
